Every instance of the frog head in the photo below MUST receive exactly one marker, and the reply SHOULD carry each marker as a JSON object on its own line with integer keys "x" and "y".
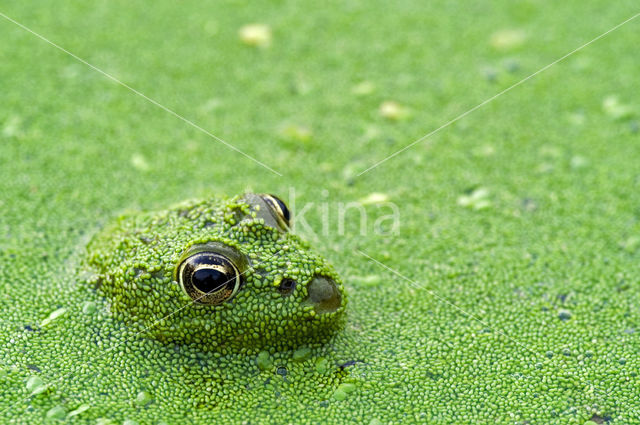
{"x": 223, "y": 275}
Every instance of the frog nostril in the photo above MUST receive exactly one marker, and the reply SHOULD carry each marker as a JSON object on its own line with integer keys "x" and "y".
{"x": 286, "y": 287}
{"x": 324, "y": 295}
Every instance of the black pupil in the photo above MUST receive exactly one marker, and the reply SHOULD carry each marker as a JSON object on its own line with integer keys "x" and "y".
{"x": 209, "y": 280}
{"x": 283, "y": 207}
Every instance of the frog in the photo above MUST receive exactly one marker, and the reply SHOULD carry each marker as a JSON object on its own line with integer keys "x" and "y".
{"x": 220, "y": 274}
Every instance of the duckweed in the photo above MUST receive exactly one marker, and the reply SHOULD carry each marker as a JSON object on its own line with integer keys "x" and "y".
{"x": 264, "y": 361}
{"x": 53, "y": 316}
{"x": 80, "y": 409}
{"x": 560, "y": 232}
{"x": 301, "y": 354}
{"x": 35, "y": 385}
{"x": 89, "y": 307}
{"x": 56, "y": 413}
{"x": 343, "y": 391}
{"x": 143, "y": 398}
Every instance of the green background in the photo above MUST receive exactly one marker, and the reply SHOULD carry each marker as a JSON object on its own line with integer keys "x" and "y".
{"x": 524, "y": 215}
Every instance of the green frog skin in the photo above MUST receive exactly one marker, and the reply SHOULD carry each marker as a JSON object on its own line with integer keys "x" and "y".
{"x": 223, "y": 275}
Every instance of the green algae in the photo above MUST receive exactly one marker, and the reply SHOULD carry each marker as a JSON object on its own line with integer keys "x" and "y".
{"x": 557, "y": 230}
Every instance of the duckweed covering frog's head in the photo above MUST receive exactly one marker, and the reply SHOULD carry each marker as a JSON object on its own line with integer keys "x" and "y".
{"x": 225, "y": 275}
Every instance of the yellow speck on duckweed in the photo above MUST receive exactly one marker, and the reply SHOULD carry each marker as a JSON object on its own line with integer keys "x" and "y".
{"x": 296, "y": 133}
{"x": 374, "y": 198}
{"x": 364, "y": 88}
{"x": 143, "y": 398}
{"x": 210, "y": 105}
{"x": 56, "y": 413}
{"x": 614, "y": 108}
{"x": 79, "y": 410}
{"x": 577, "y": 118}
{"x": 477, "y": 200}
{"x": 89, "y": 307}
{"x": 53, "y": 316}
{"x": 507, "y": 39}
{"x": 12, "y": 126}
{"x": 139, "y": 162}
{"x": 393, "y": 111}
{"x": 367, "y": 281}
{"x": 256, "y": 35}
{"x": 343, "y": 391}
{"x": 631, "y": 243}
{"x": 35, "y": 385}
{"x": 483, "y": 151}
{"x": 579, "y": 162}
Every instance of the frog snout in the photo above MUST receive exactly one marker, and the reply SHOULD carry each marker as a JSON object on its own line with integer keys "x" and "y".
{"x": 324, "y": 295}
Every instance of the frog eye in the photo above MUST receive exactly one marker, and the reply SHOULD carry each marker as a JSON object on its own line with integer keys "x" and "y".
{"x": 278, "y": 207}
{"x": 209, "y": 277}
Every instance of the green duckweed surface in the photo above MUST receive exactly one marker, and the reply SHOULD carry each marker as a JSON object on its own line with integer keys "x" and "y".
{"x": 513, "y": 290}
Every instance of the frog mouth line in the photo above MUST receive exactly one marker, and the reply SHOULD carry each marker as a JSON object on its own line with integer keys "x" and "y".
{"x": 324, "y": 295}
